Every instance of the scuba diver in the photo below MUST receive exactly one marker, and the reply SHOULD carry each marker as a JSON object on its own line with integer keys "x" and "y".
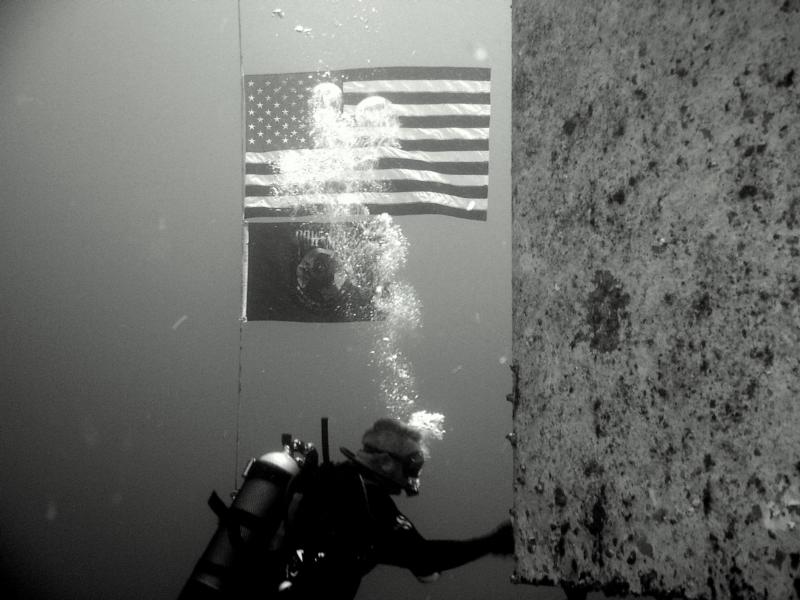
{"x": 346, "y": 522}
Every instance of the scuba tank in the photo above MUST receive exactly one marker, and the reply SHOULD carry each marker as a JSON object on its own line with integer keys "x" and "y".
{"x": 248, "y": 525}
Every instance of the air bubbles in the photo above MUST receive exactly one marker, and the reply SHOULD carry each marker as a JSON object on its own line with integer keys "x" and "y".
{"x": 431, "y": 425}
{"x": 89, "y": 433}
{"x": 326, "y": 97}
{"x": 377, "y": 111}
{"x": 370, "y": 250}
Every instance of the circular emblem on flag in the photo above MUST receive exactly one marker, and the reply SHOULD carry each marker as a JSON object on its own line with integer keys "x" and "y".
{"x": 317, "y": 287}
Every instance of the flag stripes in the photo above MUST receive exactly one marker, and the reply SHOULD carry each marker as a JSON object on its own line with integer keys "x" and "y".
{"x": 443, "y": 109}
{"x": 385, "y": 186}
{"x": 422, "y": 98}
{"x": 375, "y": 202}
{"x": 377, "y": 86}
{"x": 383, "y": 176}
{"x": 438, "y": 154}
{"x": 383, "y": 164}
{"x": 453, "y": 121}
{"x": 476, "y": 162}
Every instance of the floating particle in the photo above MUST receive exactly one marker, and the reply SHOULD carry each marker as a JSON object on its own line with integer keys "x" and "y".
{"x": 480, "y": 53}
{"x": 278, "y": 12}
{"x": 301, "y": 29}
{"x": 90, "y": 434}
{"x": 179, "y": 322}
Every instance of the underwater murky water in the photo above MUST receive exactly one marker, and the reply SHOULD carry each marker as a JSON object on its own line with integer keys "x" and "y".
{"x": 125, "y": 402}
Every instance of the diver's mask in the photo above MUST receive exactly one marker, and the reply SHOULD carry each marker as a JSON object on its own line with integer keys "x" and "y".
{"x": 410, "y": 464}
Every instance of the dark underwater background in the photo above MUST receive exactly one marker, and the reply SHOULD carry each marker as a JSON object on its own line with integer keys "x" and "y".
{"x": 129, "y": 390}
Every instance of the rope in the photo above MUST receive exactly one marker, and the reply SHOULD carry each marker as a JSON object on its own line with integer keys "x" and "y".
{"x": 243, "y": 242}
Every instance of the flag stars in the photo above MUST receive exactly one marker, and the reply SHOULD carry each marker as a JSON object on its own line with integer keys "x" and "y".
{"x": 277, "y": 112}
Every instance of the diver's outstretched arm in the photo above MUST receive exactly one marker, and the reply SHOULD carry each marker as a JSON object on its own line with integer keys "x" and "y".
{"x": 439, "y": 555}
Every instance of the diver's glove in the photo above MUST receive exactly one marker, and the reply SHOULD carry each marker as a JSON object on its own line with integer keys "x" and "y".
{"x": 433, "y": 556}
{"x": 501, "y": 540}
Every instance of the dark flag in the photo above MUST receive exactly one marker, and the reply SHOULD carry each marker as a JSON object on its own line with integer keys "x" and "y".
{"x": 319, "y": 272}
{"x": 402, "y": 140}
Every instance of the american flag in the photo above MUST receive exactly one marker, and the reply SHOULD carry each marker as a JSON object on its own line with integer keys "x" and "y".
{"x": 435, "y": 160}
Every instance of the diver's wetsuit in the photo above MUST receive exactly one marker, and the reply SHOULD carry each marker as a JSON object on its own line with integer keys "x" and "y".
{"x": 347, "y": 523}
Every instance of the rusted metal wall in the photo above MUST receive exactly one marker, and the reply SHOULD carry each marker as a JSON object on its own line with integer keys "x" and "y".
{"x": 656, "y": 282}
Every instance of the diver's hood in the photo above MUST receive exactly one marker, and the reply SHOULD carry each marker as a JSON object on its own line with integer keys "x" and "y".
{"x": 409, "y": 485}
